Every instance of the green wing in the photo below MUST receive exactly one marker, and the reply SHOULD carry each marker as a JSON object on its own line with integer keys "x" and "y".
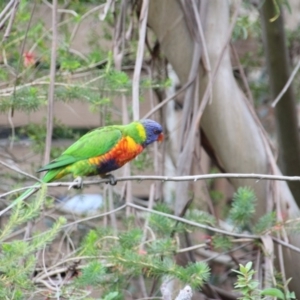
{"x": 92, "y": 144}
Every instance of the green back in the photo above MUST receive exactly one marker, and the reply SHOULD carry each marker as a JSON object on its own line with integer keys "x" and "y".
{"x": 92, "y": 144}
{"x": 95, "y": 143}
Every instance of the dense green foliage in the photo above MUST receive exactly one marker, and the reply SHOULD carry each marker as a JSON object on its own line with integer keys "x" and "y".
{"x": 106, "y": 261}
{"x": 249, "y": 287}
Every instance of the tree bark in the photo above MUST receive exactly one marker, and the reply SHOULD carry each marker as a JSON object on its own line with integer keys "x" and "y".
{"x": 278, "y": 66}
{"x": 228, "y": 123}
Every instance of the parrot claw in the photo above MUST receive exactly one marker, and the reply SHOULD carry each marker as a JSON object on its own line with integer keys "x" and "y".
{"x": 77, "y": 183}
{"x": 112, "y": 179}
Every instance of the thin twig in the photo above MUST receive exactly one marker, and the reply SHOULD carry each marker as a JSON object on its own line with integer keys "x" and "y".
{"x": 206, "y": 227}
{"x": 13, "y": 204}
{"x": 192, "y": 223}
{"x": 195, "y": 224}
{"x": 44, "y": 282}
{"x": 205, "y": 56}
{"x": 286, "y": 85}
{"x": 191, "y": 248}
{"x": 51, "y": 85}
{"x": 126, "y": 172}
{"x": 6, "y": 8}
{"x": 46, "y": 33}
{"x": 150, "y": 206}
{"x": 139, "y": 60}
{"x": 207, "y": 92}
{"x": 11, "y": 20}
{"x": 283, "y": 243}
{"x": 8, "y": 91}
{"x": 5, "y": 18}
{"x": 111, "y": 207}
{"x": 194, "y": 178}
{"x": 243, "y": 75}
{"x": 165, "y": 101}
{"x": 76, "y": 27}
{"x": 18, "y": 170}
{"x": 119, "y": 36}
{"x": 107, "y": 6}
{"x": 11, "y": 110}
{"x": 67, "y": 85}
{"x": 94, "y": 216}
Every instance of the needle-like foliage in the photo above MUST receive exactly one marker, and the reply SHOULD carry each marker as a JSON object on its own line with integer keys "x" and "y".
{"x": 243, "y": 207}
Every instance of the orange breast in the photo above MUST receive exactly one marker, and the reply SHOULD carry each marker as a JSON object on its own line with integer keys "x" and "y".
{"x": 125, "y": 150}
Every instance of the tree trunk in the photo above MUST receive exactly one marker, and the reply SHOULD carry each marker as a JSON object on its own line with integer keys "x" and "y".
{"x": 286, "y": 111}
{"x": 228, "y": 122}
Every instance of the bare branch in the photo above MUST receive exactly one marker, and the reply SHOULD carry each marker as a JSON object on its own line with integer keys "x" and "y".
{"x": 18, "y": 170}
{"x": 207, "y": 92}
{"x": 243, "y": 75}
{"x": 6, "y": 8}
{"x": 51, "y": 85}
{"x": 139, "y": 60}
{"x": 195, "y": 224}
{"x": 165, "y": 101}
{"x": 76, "y": 27}
{"x": 11, "y": 110}
{"x": 4, "y": 19}
{"x": 11, "y": 20}
{"x": 140, "y": 178}
{"x": 287, "y": 84}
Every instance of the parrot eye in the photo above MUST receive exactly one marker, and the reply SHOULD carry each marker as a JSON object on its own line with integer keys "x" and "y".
{"x": 156, "y": 131}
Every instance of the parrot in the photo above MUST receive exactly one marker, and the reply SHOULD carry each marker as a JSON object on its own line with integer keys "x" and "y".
{"x": 101, "y": 151}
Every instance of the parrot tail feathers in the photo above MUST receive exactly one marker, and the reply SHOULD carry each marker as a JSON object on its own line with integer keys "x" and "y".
{"x": 22, "y": 197}
{"x": 48, "y": 177}
{"x": 53, "y": 175}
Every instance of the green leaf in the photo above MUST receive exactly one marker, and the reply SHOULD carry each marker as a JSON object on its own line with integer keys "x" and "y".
{"x": 111, "y": 296}
{"x": 70, "y": 64}
{"x": 290, "y": 295}
{"x": 273, "y": 292}
{"x": 249, "y": 266}
{"x": 236, "y": 271}
{"x": 253, "y": 285}
{"x": 277, "y": 11}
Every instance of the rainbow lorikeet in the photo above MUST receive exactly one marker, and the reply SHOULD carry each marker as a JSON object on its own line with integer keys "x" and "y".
{"x": 101, "y": 151}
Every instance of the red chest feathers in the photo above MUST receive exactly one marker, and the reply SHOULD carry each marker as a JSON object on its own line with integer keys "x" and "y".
{"x": 126, "y": 150}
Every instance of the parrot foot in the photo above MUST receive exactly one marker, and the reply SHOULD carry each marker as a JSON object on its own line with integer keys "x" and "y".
{"x": 112, "y": 179}
{"x": 77, "y": 183}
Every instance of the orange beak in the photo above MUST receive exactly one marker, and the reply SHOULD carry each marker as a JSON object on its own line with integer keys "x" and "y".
{"x": 160, "y": 137}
